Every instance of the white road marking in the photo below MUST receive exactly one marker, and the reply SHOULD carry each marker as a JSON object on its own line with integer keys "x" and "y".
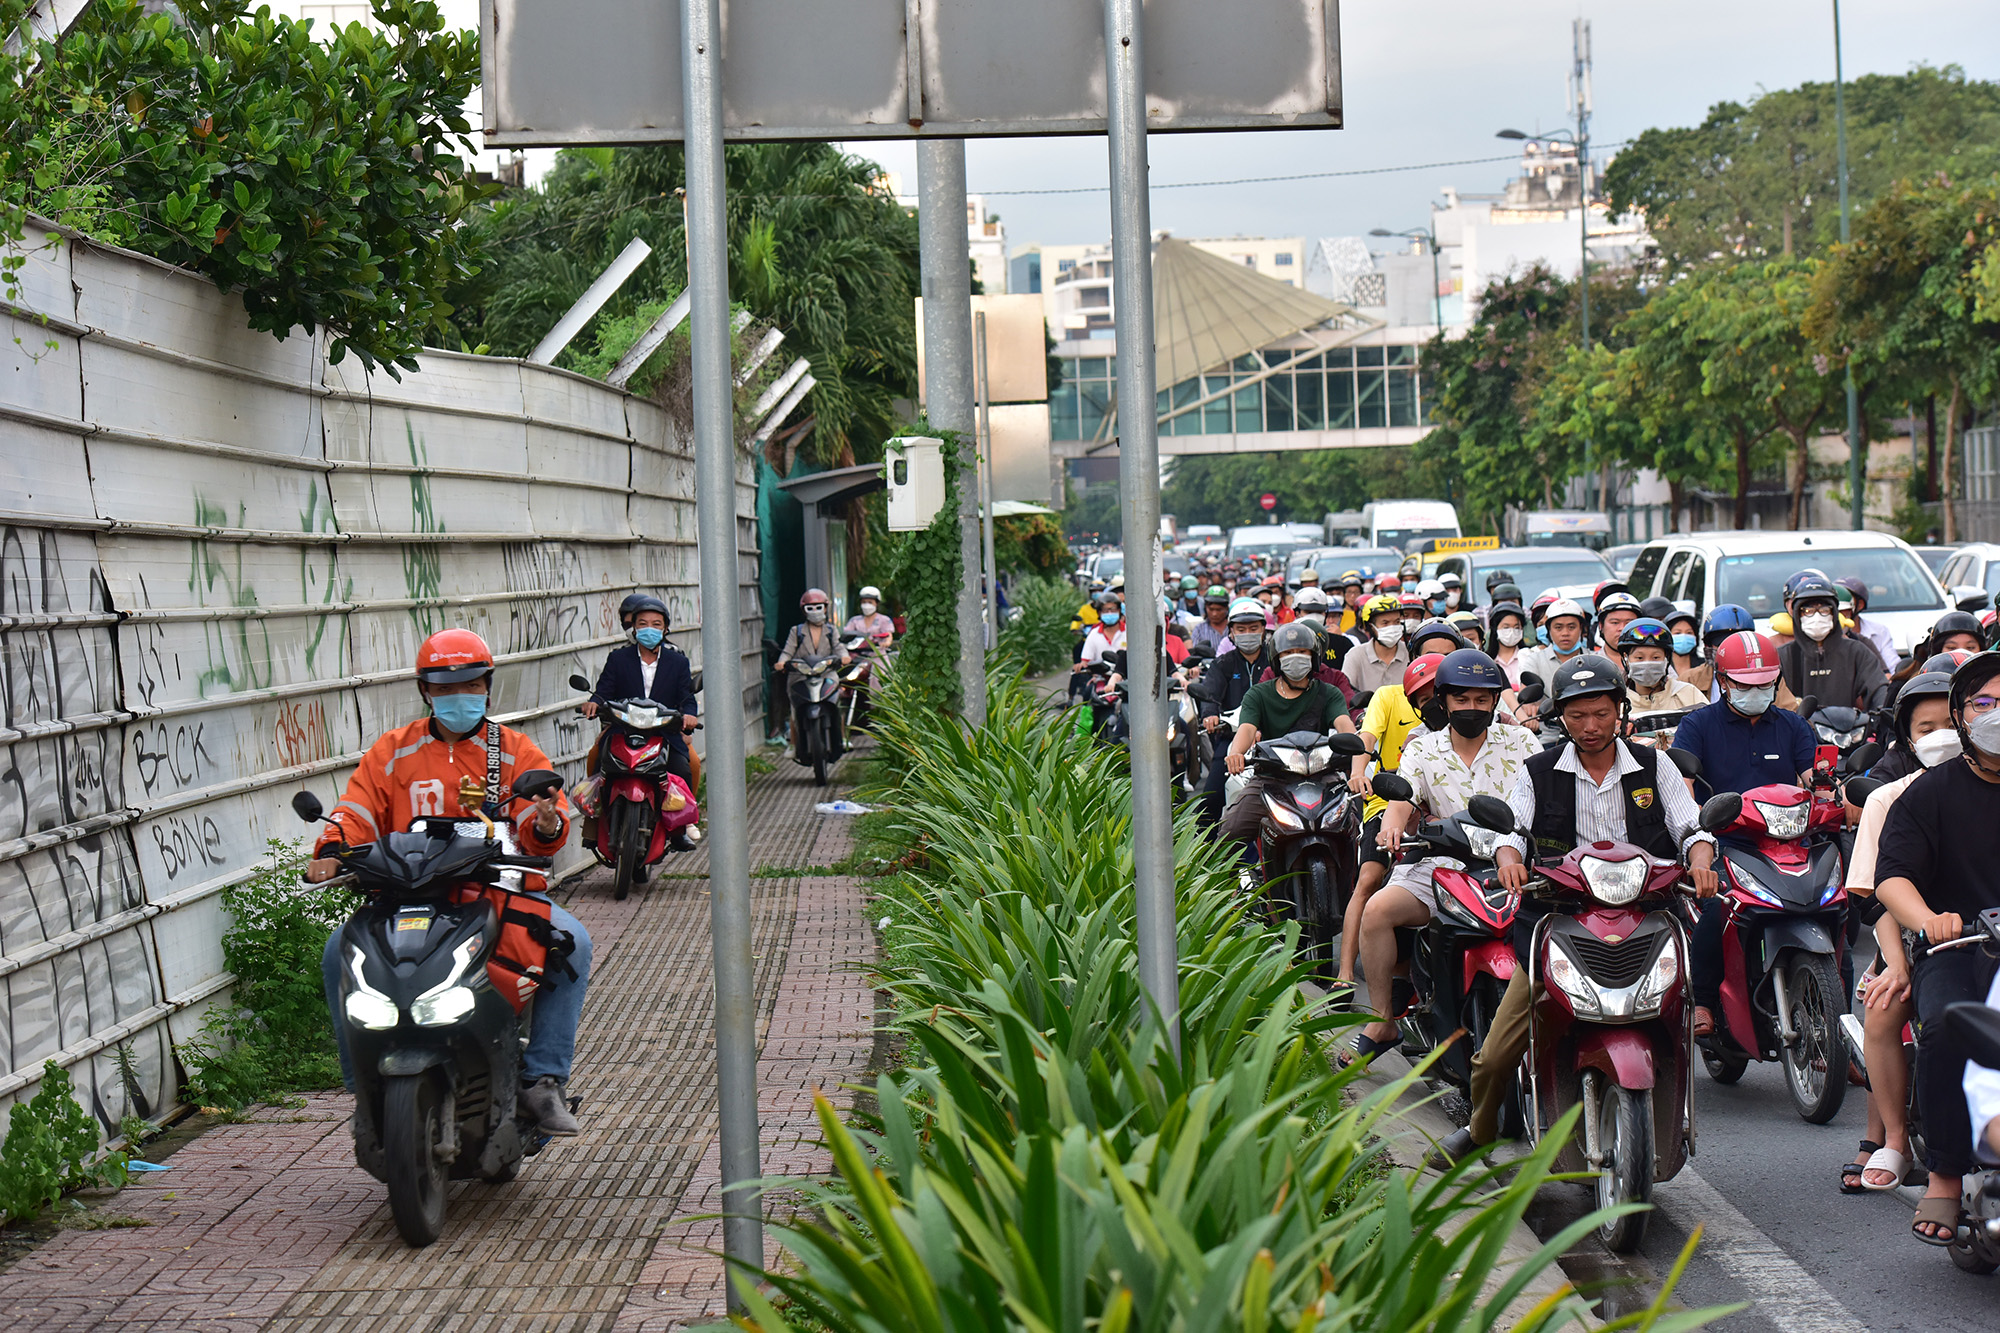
{"x": 1780, "y": 1290}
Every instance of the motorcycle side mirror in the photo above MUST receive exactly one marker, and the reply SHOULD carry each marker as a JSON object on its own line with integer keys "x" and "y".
{"x": 1858, "y": 790}
{"x": 1362, "y": 700}
{"x": 579, "y": 683}
{"x": 1532, "y": 678}
{"x": 537, "y": 782}
{"x": 1808, "y": 706}
{"x": 1204, "y": 651}
{"x": 1531, "y": 691}
{"x": 1347, "y": 743}
{"x": 771, "y": 648}
{"x": 307, "y": 807}
{"x": 1721, "y": 810}
{"x": 1687, "y": 762}
{"x": 1976, "y": 1029}
{"x": 1490, "y": 812}
{"x": 1864, "y": 757}
{"x": 1390, "y": 787}
{"x": 694, "y": 683}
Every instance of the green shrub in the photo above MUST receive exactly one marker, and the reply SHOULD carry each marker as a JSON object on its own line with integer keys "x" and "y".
{"x": 1039, "y": 639}
{"x": 276, "y": 1036}
{"x": 1051, "y": 1163}
{"x": 51, "y": 1147}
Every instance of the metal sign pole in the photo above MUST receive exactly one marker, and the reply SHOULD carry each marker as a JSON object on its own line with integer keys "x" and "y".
{"x": 946, "y": 262}
{"x": 722, "y": 658}
{"x": 1139, "y": 495}
{"x": 989, "y": 567}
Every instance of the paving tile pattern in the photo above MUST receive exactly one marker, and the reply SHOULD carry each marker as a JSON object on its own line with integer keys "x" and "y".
{"x": 270, "y": 1225}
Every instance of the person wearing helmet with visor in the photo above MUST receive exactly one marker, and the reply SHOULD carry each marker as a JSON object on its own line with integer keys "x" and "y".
{"x": 1593, "y": 786}
{"x": 440, "y": 764}
{"x": 1290, "y": 698}
{"x": 1743, "y": 742}
{"x": 1645, "y": 649}
{"x": 869, "y": 620}
{"x": 1465, "y": 754}
{"x": 1824, "y": 661}
{"x": 1381, "y": 660}
{"x": 1225, "y": 685}
{"x": 1924, "y": 738}
{"x": 649, "y": 668}
{"x": 1934, "y": 873}
{"x": 813, "y": 639}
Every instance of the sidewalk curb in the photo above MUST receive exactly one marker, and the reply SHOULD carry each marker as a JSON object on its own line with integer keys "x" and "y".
{"x": 1422, "y": 1125}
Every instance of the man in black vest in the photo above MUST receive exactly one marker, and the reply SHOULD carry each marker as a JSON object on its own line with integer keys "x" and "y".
{"x": 1593, "y": 787}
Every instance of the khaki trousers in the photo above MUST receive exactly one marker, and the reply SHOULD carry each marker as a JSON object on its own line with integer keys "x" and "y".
{"x": 1500, "y": 1055}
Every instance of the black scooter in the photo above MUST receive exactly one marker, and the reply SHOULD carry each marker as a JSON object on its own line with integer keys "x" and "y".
{"x": 436, "y": 1051}
{"x": 1308, "y": 846}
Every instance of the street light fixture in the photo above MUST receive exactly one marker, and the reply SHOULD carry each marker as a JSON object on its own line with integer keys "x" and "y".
{"x": 1430, "y": 237}
{"x": 1581, "y": 142}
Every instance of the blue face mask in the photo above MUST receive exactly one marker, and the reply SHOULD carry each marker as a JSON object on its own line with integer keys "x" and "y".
{"x": 1111, "y": 617}
{"x": 1684, "y": 644}
{"x": 1561, "y": 651}
{"x": 459, "y": 713}
{"x": 649, "y": 638}
{"x": 1438, "y": 606}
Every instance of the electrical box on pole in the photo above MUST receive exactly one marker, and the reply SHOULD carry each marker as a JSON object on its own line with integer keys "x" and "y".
{"x": 915, "y": 472}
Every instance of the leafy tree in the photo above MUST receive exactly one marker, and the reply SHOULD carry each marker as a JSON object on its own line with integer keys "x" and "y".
{"x": 321, "y": 178}
{"x": 1225, "y": 488}
{"x": 1758, "y": 180}
{"x": 1909, "y": 302}
{"x": 814, "y": 248}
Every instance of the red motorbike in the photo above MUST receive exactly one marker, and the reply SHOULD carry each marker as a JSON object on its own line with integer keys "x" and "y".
{"x": 1614, "y": 1034}
{"x": 639, "y": 804}
{"x": 1782, "y": 888}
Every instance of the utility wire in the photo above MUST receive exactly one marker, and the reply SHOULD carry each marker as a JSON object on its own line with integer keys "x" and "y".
{"x": 1301, "y": 176}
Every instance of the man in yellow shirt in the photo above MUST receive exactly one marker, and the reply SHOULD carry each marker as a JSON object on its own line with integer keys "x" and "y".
{"x": 1393, "y": 716}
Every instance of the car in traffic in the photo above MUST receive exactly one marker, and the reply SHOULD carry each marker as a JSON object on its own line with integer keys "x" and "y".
{"x": 1263, "y": 541}
{"x": 1750, "y": 570}
{"x": 1620, "y": 558}
{"x": 1537, "y": 569}
{"x": 1333, "y": 561}
{"x": 1975, "y": 565}
{"x": 1936, "y": 557}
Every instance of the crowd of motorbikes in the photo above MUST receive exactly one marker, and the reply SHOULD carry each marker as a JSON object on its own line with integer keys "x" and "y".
{"x": 1612, "y": 951}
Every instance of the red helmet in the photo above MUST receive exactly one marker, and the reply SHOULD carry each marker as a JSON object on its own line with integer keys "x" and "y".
{"x": 1421, "y": 674}
{"x": 1747, "y": 658}
{"x": 453, "y": 655}
{"x": 815, "y": 597}
{"x": 1388, "y": 583}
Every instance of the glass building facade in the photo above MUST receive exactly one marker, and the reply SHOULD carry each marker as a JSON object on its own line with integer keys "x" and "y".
{"x": 1342, "y": 388}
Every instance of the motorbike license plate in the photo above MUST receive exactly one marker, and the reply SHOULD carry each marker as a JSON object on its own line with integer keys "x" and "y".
{"x": 412, "y": 923}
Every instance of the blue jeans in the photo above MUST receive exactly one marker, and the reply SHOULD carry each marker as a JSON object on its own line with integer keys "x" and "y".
{"x": 558, "y": 1008}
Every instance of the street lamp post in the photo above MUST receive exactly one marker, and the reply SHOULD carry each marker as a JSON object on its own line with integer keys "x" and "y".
{"x": 1856, "y": 473}
{"x": 1581, "y": 141}
{"x": 1437, "y": 287}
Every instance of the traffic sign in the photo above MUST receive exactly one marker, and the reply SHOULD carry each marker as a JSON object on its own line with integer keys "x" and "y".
{"x": 1268, "y": 501}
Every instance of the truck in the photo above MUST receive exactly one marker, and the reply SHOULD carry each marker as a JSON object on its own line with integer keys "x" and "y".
{"x": 1397, "y": 524}
{"x": 1566, "y": 527}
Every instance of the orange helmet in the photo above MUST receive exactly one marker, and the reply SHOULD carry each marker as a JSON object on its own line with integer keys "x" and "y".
{"x": 1421, "y": 674}
{"x": 453, "y": 655}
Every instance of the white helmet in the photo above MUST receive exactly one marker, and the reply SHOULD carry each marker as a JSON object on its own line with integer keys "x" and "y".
{"x": 1430, "y": 588}
{"x": 1451, "y": 581}
{"x": 1309, "y": 598}
{"x": 871, "y": 593}
{"x": 1565, "y": 606}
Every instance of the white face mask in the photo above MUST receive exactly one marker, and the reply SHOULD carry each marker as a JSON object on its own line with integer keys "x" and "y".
{"x": 1985, "y": 733}
{"x": 1816, "y": 626}
{"x": 1937, "y": 747}
{"x": 868, "y": 608}
{"x": 1248, "y": 641}
{"x": 1313, "y": 618}
{"x": 1753, "y": 701}
{"x": 815, "y": 615}
{"x": 1647, "y": 674}
{"x": 1510, "y": 635}
{"x": 1451, "y": 598}
{"x": 1296, "y": 666}
{"x": 1389, "y": 635}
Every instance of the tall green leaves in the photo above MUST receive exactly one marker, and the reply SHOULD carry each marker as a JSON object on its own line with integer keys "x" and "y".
{"x": 320, "y": 177}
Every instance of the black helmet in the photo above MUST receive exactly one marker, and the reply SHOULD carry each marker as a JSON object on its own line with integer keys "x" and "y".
{"x": 1977, "y": 670}
{"x": 1496, "y": 578}
{"x": 1811, "y": 586}
{"x": 1657, "y": 608}
{"x": 1957, "y": 622}
{"x": 1294, "y": 636}
{"x": 1432, "y": 629}
{"x": 1948, "y": 661}
{"x": 629, "y": 609}
{"x": 1923, "y": 685}
{"x": 1587, "y": 675}
{"x": 1508, "y": 592}
{"x": 1469, "y": 669}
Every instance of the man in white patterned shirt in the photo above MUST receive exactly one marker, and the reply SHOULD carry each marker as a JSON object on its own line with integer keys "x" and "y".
{"x": 1592, "y": 788}
{"x": 1462, "y": 756}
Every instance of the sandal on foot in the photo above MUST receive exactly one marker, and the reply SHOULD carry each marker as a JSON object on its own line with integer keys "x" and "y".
{"x": 1942, "y": 1213}
{"x": 1851, "y": 1181}
{"x": 1365, "y": 1047}
{"x": 1889, "y": 1160}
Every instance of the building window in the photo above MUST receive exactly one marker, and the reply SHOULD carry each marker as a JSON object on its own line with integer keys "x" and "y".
{"x": 1065, "y": 265}
{"x": 1284, "y": 260}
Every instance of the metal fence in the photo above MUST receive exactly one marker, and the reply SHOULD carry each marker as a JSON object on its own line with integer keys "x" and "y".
{"x": 218, "y": 554}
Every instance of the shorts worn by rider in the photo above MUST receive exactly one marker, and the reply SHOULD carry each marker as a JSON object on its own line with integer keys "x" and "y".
{"x": 456, "y": 763}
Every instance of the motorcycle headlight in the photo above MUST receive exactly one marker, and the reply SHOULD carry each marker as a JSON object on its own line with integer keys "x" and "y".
{"x": 1564, "y": 974}
{"x": 1482, "y": 841}
{"x": 447, "y": 1002}
{"x": 1746, "y": 878}
{"x": 1295, "y": 760}
{"x": 1321, "y": 756}
{"x": 1283, "y": 817}
{"x": 1614, "y": 883}
{"x": 1784, "y": 822}
{"x": 1659, "y": 979}
{"x": 365, "y": 1006}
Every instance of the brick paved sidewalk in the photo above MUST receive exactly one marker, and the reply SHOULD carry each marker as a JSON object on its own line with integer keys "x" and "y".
{"x": 269, "y": 1224}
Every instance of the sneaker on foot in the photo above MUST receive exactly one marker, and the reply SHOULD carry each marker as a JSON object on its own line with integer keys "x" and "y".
{"x": 543, "y": 1102}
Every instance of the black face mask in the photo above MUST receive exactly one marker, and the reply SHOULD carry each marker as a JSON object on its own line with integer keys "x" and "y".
{"x": 1470, "y": 723}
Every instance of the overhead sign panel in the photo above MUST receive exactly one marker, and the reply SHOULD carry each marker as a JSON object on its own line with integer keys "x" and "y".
{"x": 609, "y": 71}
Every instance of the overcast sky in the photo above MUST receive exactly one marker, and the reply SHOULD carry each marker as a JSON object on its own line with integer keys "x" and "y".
{"x": 1431, "y": 80}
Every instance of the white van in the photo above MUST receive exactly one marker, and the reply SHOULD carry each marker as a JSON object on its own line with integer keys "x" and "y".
{"x": 1263, "y": 541}
{"x": 1397, "y": 523}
